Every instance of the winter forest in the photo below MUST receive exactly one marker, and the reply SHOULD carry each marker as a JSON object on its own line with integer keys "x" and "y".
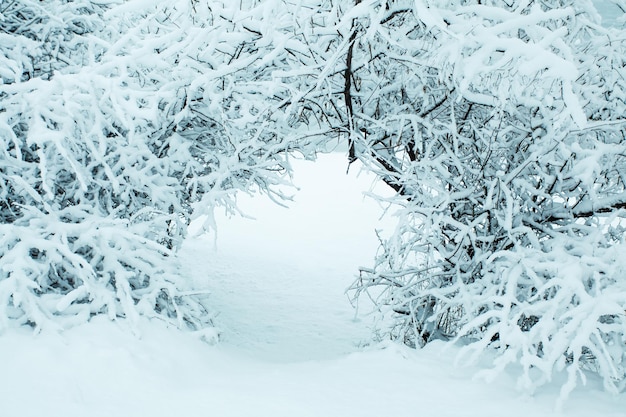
{"x": 494, "y": 132}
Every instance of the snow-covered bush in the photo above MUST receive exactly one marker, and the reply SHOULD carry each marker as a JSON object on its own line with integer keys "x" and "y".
{"x": 119, "y": 122}
{"x": 501, "y": 127}
{"x": 499, "y": 124}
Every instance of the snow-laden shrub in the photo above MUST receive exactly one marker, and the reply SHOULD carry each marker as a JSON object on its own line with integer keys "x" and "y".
{"x": 501, "y": 127}
{"x": 119, "y": 122}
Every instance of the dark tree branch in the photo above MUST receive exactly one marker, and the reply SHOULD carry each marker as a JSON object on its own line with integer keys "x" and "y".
{"x": 347, "y": 91}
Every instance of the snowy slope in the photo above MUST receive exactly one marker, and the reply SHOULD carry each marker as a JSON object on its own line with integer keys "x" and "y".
{"x": 102, "y": 370}
{"x": 278, "y": 281}
{"x": 290, "y": 345}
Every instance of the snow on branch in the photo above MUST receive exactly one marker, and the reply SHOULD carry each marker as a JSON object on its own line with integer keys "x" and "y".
{"x": 120, "y": 122}
{"x": 500, "y": 126}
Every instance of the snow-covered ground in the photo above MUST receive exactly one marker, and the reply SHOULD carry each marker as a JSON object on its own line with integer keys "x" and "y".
{"x": 278, "y": 281}
{"x": 290, "y": 344}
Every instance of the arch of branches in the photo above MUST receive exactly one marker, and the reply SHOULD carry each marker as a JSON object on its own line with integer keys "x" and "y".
{"x": 500, "y": 126}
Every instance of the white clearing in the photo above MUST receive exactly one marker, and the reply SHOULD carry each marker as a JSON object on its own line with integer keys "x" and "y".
{"x": 290, "y": 344}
